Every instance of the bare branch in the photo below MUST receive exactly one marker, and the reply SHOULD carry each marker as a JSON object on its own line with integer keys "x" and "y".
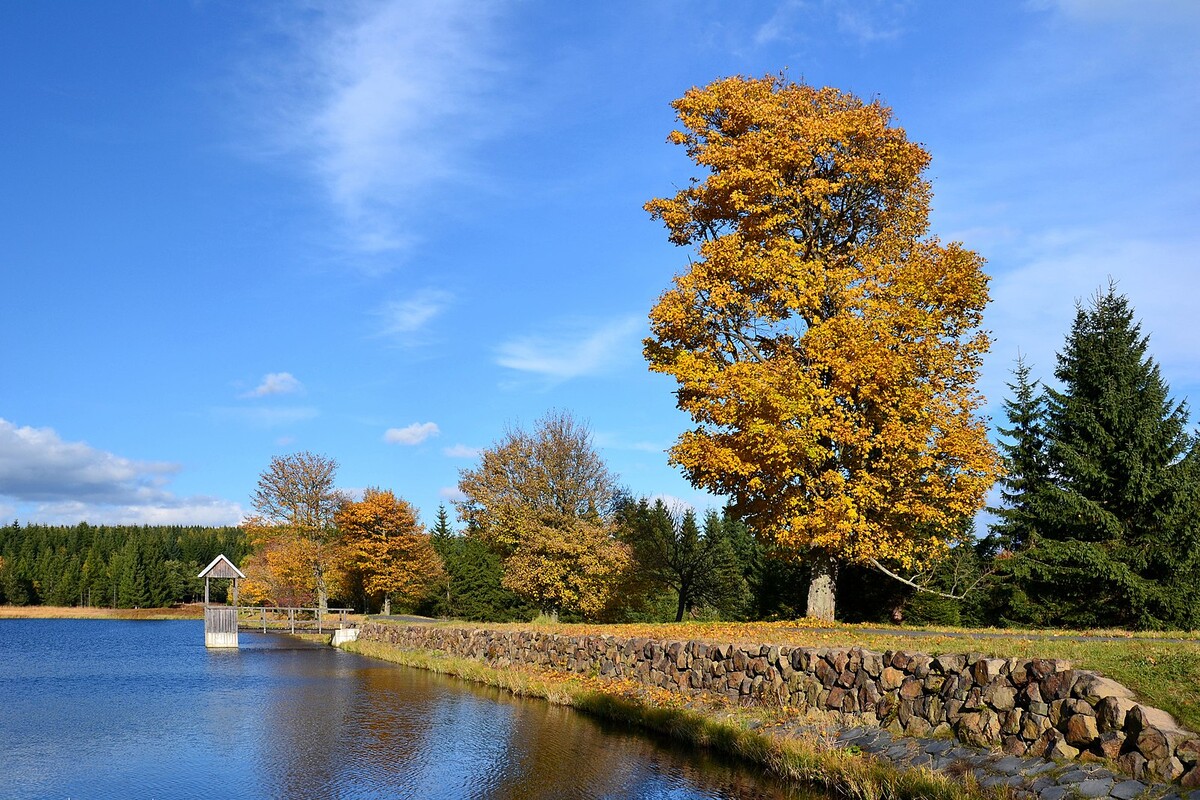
{"x": 875, "y": 563}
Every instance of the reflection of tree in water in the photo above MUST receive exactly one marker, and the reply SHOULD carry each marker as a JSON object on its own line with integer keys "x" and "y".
{"x": 313, "y": 722}
{"x": 358, "y": 728}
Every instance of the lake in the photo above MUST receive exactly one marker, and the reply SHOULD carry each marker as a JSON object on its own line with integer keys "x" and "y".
{"x": 121, "y": 709}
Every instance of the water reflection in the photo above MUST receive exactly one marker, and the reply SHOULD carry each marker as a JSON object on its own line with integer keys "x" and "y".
{"x": 126, "y": 709}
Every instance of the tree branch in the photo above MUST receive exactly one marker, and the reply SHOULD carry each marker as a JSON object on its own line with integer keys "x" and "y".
{"x": 875, "y": 563}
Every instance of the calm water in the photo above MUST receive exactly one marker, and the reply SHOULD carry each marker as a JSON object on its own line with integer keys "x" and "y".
{"x": 98, "y": 709}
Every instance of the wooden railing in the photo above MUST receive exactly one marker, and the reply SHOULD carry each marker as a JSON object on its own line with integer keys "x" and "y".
{"x": 290, "y": 620}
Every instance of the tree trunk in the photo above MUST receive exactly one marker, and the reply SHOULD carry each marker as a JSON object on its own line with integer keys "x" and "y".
{"x": 682, "y": 607}
{"x": 822, "y": 589}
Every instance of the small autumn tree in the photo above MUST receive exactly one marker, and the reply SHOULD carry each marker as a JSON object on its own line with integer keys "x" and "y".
{"x": 293, "y": 529}
{"x": 543, "y": 499}
{"x": 385, "y": 550}
{"x": 824, "y": 343}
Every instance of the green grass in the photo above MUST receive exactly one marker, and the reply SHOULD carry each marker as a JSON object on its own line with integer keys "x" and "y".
{"x": 716, "y": 726}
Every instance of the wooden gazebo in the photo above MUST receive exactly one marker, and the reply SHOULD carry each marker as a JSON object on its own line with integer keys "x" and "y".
{"x": 220, "y": 622}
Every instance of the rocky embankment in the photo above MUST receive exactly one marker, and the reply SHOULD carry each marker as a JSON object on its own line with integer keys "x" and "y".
{"x": 1037, "y": 712}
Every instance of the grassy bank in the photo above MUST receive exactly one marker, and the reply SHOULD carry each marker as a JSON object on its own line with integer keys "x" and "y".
{"x": 710, "y": 724}
{"x": 1163, "y": 674}
{"x": 88, "y": 612}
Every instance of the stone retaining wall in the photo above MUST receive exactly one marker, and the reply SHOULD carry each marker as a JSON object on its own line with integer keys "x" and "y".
{"x": 1039, "y": 707}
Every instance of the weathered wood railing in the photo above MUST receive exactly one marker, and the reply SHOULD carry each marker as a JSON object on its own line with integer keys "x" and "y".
{"x": 281, "y": 619}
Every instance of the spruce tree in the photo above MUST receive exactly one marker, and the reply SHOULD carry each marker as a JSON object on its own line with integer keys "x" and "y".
{"x": 1025, "y": 481}
{"x": 1118, "y": 540}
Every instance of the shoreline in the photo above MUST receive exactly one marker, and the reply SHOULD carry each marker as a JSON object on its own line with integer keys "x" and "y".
{"x": 808, "y": 754}
{"x": 194, "y": 611}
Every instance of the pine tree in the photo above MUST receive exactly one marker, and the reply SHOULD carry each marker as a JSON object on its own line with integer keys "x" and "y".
{"x": 1118, "y": 540}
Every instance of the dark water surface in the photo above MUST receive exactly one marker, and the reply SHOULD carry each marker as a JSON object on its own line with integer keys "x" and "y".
{"x": 100, "y": 709}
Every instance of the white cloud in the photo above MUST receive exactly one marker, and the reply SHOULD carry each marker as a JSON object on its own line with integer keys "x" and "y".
{"x": 57, "y": 482}
{"x": 403, "y": 319}
{"x": 386, "y": 101}
{"x": 451, "y": 493}
{"x": 461, "y": 451}
{"x": 36, "y": 464}
{"x": 179, "y": 511}
{"x": 569, "y": 354}
{"x": 276, "y": 383}
{"x": 412, "y": 434}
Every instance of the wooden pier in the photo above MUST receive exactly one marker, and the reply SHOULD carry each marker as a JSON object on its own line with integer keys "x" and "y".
{"x": 222, "y": 622}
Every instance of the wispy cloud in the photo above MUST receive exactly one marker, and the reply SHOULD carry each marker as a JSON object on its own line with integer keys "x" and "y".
{"x": 571, "y": 353}
{"x": 451, "y": 493}
{"x": 276, "y": 383}
{"x": 867, "y": 21}
{"x": 461, "y": 451}
{"x": 404, "y": 320}
{"x": 385, "y": 101}
{"x": 55, "y": 481}
{"x": 267, "y": 416}
{"x": 1033, "y": 306}
{"x": 412, "y": 434}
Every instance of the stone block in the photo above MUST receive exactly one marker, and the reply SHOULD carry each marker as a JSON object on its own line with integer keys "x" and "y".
{"x": 890, "y": 678}
{"x": 1014, "y": 745}
{"x": 1000, "y": 695}
{"x": 1109, "y": 745}
{"x": 1010, "y": 721}
{"x": 1081, "y": 731}
{"x": 1153, "y": 743}
{"x": 1057, "y": 685}
{"x": 1188, "y": 751}
{"x": 1133, "y": 763}
{"x": 911, "y": 689}
{"x": 986, "y": 670}
{"x": 1164, "y": 769}
{"x": 872, "y": 663}
{"x": 1033, "y": 725}
{"x": 948, "y": 664}
{"x": 918, "y": 727}
{"x": 1091, "y": 685}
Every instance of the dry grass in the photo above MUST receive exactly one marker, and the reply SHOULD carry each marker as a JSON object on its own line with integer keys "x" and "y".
{"x": 714, "y": 725}
{"x": 195, "y": 611}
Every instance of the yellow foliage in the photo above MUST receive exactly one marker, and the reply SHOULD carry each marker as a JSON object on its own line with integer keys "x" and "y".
{"x": 825, "y": 344}
{"x": 540, "y": 499}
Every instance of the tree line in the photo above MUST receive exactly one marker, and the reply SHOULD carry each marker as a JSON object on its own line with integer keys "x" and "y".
{"x": 118, "y": 566}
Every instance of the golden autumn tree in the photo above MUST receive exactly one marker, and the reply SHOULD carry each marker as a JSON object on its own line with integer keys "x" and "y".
{"x": 293, "y": 530}
{"x": 385, "y": 550}
{"x": 824, "y": 342}
{"x": 543, "y": 499}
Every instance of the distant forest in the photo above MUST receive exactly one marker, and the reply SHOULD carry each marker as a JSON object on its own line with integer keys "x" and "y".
{"x": 117, "y": 566}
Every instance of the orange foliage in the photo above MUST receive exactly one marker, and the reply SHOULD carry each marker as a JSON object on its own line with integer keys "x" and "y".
{"x": 384, "y": 547}
{"x": 825, "y": 344}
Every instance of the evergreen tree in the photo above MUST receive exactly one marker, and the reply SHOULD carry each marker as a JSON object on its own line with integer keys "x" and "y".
{"x": 1118, "y": 543}
{"x": 1026, "y": 479}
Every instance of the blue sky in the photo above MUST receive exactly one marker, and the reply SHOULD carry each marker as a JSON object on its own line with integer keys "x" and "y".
{"x": 383, "y": 231}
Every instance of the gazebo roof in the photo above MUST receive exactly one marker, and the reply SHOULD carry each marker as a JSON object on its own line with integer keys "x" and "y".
{"x": 221, "y": 567}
